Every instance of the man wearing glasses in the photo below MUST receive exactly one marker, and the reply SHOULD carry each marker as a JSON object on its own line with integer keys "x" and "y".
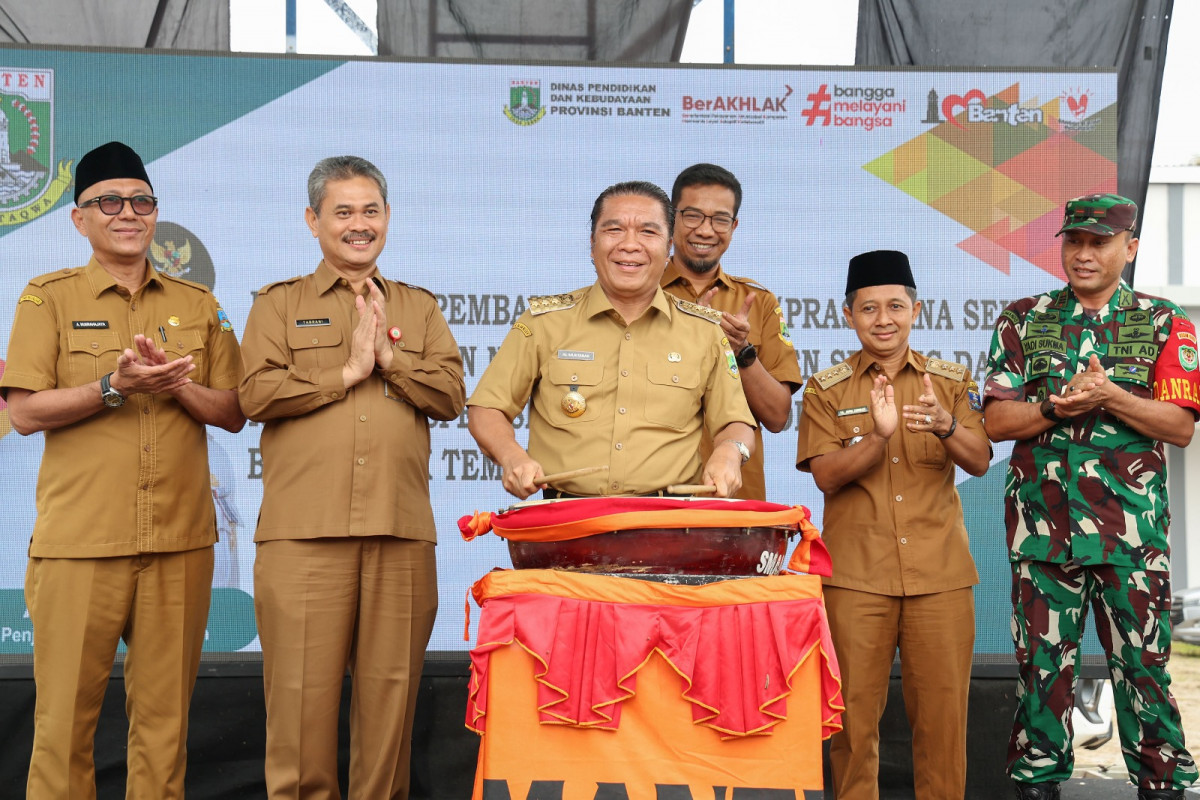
{"x": 122, "y": 367}
{"x": 706, "y": 200}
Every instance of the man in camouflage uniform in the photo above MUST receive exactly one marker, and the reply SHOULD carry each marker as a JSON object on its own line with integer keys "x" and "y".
{"x": 1090, "y": 380}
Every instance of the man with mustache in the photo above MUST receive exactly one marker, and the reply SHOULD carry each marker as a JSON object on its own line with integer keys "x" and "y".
{"x": 1089, "y": 381}
{"x": 345, "y": 369}
{"x": 706, "y": 200}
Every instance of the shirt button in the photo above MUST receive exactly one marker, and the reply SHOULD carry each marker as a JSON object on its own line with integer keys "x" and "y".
{"x": 628, "y": 336}
{"x": 624, "y": 372}
{"x": 616, "y": 485}
{"x": 146, "y": 448}
{"x": 619, "y": 445}
{"x": 621, "y": 410}
{"x": 856, "y": 429}
{"x": 903, "y": 540}
{"x": 315, "y": 341}
{"x": 362, "y": 461}
{"x": 146, "y": 410}
{"x": 133, "y": 306}
{"x": 362, "y": 417}
{"x": 334, "y": 395}
{"x": 95, "y": 345}
{"x": 674, "y": 379}
{"x": 895, "y": 459}
{"x": 574, "y": 378}
{"x": 899, "y": 498}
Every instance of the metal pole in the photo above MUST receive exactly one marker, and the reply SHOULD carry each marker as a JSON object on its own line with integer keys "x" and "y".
{"x": 290, "y": 26}
{"x": 729, "y": 4}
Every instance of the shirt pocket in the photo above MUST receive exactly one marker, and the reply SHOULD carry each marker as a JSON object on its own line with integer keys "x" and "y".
{"x": 853, "y": 427}
{"x": 187, "y": 343}
{"x": 92, "y": 354}
{"x": 315, "y": 347}
{"x": 672, "y": 393}
{"x": 562, "y": 376}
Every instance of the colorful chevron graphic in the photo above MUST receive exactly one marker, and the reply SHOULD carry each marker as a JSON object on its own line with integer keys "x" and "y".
{"x": 1003, "y": 178}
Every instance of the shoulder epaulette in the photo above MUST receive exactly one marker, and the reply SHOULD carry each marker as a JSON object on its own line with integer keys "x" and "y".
{"x": 947, "y": 369}
{"x": 544, "y": 304}
{"x": 834, "y": 375}
{"x": 58, "y": 275}
{"x": 271, "y": 286}
{"x": 753, "y": 284}
{"x": 418, "y": 288}
{"x": 696, "y": 310}
{"x": 186, "y": 282}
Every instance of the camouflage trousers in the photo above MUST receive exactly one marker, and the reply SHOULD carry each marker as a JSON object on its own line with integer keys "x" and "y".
{"x": 1132, "y": 608}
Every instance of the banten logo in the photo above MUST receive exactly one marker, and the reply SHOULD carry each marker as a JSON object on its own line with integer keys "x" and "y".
{"x": 30, "y": 182}
{"x": 525, "y": 102}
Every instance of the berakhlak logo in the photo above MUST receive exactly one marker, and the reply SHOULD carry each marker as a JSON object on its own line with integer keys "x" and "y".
{"x": 819, "y": 106}
{"x": 953, "y": 104}
{"x": 525, "y": 102}
{"x": 1077, "y": 103}
{"x": 30, "y": 182}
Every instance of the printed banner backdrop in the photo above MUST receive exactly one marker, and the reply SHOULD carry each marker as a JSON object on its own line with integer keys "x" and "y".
{"x": 492, "y": 173}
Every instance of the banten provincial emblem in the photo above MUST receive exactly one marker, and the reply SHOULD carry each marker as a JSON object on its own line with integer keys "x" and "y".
{"x": 525, "y": 102}
{"x": 30, "y": 182}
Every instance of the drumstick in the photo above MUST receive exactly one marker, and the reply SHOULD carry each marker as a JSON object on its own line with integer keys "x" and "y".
{"x": 571, "y": 473}
{"x": 691, "y": 488}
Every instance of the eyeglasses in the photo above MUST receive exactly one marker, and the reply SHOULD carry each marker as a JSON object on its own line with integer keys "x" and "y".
{"x": 694, "y": 218}
{"x": 111, "y": 204}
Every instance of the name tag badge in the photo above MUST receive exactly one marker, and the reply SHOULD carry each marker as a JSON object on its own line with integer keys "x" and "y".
{"x": 849, "y": 412}
{"x": 576, "y": 355}
{"x": 314, "y": 322}
{"x": 90, "y": 324}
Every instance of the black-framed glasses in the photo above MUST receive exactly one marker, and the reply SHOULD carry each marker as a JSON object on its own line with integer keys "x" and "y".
{"x": 694, "y": 218}
{"x": 111, "y": 204}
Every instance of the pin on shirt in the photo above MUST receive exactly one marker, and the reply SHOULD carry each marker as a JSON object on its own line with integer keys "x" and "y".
{"x": 573, "y": 403}
{"x": 394, "y": 334}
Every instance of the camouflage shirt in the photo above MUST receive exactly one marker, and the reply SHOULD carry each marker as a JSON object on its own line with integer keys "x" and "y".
{"x": 1091, "y": 490}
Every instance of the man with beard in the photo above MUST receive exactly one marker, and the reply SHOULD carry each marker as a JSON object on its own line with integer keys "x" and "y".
{"x": 706, "y": 200}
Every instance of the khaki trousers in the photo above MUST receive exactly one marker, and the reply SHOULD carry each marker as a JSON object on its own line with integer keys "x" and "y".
{"x": 323, "y": 605}
{"x": 80, "y": 608}
{"x": 936, "y": 635}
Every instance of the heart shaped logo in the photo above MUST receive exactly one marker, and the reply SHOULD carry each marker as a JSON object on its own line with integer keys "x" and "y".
{"x": 951, "y": 102}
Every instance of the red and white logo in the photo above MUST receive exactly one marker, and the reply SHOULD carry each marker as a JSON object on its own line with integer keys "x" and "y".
{"x": 1076, "y": 103}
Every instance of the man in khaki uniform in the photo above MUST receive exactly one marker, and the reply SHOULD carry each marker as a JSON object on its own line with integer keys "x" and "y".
{"x": 346, "y": 369}
{"x": 893, "y": 523}
{"x": 621, "y": 375}
{"x": 706, "y": 200}
{"x": 122, "y": 367}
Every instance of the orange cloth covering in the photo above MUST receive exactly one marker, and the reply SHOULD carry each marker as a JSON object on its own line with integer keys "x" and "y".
{"x": 737, "y": 646}
{"x": 576, "y": 518}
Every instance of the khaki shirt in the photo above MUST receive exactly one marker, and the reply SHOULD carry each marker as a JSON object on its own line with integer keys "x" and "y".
{"x": 133, "y": 479}
{"x": 650, "y": 387}
{"x": 340, "y": 462}
{"x": 898, "y": 529}
{"x": 770, "y": 337}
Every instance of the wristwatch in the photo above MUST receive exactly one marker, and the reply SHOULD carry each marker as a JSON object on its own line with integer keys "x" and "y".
{"x": 1048, "y": 411}
{"x": 111, "y": 397}
{"x": 743, "y": 451}
{"x": 747, "y": 355}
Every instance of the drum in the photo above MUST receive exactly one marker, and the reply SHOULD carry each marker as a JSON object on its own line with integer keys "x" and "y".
{"x": 694, "y": 548}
